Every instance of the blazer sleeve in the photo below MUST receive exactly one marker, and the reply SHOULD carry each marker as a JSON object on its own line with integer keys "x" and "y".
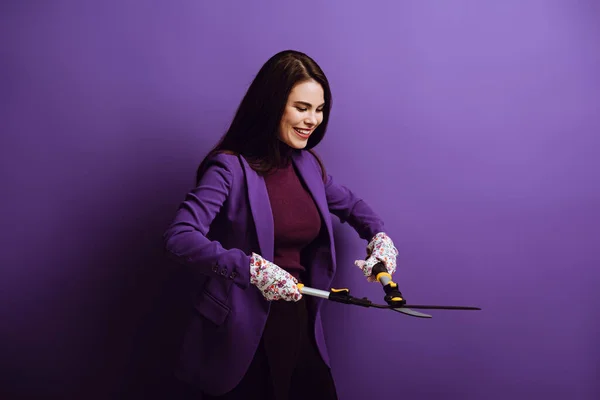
{"x": 349, "y": 208}
{"x": 185, "y": 239}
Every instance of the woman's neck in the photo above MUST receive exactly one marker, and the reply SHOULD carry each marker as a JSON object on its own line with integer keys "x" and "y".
{"x": 285, "y": 151}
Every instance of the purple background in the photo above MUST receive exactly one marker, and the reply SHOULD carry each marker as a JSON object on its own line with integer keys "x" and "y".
{"x": 472, "y": 127}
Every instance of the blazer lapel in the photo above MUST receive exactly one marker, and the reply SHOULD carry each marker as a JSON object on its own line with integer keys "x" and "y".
{"x": 314, "y": 182}
{"x": 260, "y": 206}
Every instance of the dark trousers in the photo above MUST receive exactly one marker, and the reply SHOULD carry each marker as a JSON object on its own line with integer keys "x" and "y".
{"x": 287, "y": 365}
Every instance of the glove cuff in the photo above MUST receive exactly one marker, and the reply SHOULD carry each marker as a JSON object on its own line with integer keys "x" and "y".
{"x": 380, "y": 237}
{"x": 257, "y": 264}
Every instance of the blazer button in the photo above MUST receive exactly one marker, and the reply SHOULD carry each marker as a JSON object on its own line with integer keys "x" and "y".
{"x": 215, "y": 268}
{"x": 233, "y": 275}
{"x": 224, "y": 272}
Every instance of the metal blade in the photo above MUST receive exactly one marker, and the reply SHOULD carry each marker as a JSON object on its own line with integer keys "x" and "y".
{"x": 410, "y": 312}
{"x": 442, "y": 307}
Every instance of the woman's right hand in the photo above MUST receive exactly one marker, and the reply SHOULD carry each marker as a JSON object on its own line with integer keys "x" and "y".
{"x": 273, "y": 281}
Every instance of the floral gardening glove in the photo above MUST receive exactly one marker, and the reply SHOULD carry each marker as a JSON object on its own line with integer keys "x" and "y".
{"x": 380, "y": 249}
{"x": 274, "y": 282}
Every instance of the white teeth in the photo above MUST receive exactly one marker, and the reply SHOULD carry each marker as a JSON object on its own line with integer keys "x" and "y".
{"x": 304, "y": 131}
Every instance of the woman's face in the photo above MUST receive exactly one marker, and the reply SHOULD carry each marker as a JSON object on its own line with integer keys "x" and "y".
{"x": 303, "y": 113}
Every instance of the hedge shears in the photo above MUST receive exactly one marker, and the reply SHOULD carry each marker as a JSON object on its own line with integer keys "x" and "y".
{"x": 393, "y": 297}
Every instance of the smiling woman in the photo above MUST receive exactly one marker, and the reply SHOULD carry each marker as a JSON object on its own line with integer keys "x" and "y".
{"x": 257, "y": 224}
{"x": 289, "y": 91}
{"x": 303, "y": 114}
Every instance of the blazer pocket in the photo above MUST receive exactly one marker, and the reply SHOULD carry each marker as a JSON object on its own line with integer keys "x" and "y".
{"x": 211, "y": 308}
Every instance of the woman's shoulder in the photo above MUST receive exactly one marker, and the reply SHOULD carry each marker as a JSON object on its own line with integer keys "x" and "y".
{"x": 226, "y": 158}
{"x": 224, "y": 163}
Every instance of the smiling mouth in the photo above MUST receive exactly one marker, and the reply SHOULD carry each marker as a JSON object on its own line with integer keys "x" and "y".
{"x": 303, "y": 132}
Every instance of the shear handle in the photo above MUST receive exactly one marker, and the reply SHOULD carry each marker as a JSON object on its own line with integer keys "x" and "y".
{"x": 393, "y": 296}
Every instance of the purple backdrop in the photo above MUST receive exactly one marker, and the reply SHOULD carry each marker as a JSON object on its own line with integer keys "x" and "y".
{"x": 471, "y": 127}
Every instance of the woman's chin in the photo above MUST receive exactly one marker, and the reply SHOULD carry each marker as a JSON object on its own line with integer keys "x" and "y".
{"x": 296, "y": 143}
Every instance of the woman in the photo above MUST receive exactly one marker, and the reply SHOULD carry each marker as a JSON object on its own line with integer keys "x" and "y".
{"x": 257, "y": 224}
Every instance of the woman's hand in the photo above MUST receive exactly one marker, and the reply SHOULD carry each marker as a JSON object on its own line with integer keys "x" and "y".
{"x": 274, "y": 282}
{"x": 380, "y": 249}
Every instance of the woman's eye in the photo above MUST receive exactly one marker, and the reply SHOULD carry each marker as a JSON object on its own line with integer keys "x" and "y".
{"x": 301, "y": 109}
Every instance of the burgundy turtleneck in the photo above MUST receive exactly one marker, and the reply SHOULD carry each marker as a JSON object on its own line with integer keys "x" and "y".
{"x": 297, "y": 221}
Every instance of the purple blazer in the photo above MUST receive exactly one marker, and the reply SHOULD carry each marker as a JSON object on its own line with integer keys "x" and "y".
{"x": 220, "y": 222}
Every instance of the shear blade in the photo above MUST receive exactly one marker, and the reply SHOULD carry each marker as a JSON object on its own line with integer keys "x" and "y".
{"x": 410, "y": 312}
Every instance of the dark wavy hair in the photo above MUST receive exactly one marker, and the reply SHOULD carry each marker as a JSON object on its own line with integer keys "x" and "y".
{"x": 254, "y": 131}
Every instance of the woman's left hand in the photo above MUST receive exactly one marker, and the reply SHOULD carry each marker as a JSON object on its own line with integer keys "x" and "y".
{"x": 380, "y": 249}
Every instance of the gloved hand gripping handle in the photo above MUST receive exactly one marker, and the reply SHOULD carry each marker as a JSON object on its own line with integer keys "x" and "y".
{"x": 393, "y": 296}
